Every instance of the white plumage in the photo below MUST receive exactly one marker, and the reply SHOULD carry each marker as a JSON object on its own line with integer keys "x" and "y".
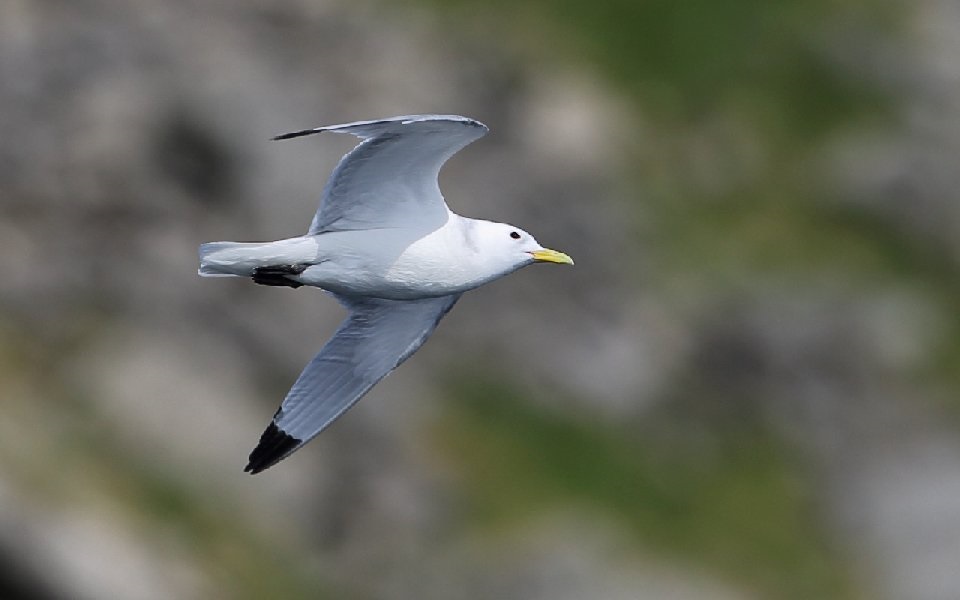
{"x": 387, "y": 246}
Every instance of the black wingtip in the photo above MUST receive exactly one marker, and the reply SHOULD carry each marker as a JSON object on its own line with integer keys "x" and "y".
{"x": 274, "y": 446}
{"x": 295, "y": 134}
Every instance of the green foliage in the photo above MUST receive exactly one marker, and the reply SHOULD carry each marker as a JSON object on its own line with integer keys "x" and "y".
{"x": 683, "y": 60}
{"x": 241, "y": 559}
{"x": 735, "y": 502}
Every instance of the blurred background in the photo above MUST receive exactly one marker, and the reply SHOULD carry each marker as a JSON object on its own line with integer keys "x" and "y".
{"x": 747, "y": 388}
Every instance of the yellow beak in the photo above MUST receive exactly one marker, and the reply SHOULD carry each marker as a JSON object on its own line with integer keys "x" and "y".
{"x": 547, "y": 255}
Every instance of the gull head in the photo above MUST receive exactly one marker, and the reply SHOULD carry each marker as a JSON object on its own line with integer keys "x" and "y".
{"x": 507, "y": 248}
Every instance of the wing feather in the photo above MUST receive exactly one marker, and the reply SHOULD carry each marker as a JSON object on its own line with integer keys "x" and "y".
{"x": 390, "y": 178}
{"x": 376, "y": 337}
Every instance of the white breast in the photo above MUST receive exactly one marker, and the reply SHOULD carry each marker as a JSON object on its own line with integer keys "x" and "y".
{"x": 397, "y": 264}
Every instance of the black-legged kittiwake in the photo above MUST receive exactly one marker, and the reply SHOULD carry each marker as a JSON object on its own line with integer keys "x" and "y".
{"x": 386, "y": 245}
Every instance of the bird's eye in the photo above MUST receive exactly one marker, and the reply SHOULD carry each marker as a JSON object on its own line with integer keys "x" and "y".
{"x": 515, "y": 235}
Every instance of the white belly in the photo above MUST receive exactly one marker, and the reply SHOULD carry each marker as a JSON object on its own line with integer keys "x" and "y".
{"x": 398, "y": 266}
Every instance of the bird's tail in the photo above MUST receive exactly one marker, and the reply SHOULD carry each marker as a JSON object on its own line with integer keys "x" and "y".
{"x": 223, "y": 259}
{"x": 226, "y": 259}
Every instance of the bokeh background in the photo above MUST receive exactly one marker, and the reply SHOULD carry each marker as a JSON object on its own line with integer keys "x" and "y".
{"x": 747, "y": 388}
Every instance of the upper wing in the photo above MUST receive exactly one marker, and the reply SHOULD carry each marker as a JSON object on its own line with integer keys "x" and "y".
{"x": 390, "y": 179}
{"x": 376, "y": 337}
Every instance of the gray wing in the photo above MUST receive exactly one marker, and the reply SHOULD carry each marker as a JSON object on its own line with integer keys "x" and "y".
{"x": 390, "y": 179}
{"x": 376, "y": 337}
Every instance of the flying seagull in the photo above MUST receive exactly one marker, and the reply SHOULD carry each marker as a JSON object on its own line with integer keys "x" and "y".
{"x": 388, "y": 248}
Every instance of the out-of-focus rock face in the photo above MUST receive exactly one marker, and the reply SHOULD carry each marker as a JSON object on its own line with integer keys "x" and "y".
{"x": 132, "y": 390}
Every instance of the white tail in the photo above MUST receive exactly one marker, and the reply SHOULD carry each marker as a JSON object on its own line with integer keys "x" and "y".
{"x": 227, "y": 259}
{"x": 224, "y": 259}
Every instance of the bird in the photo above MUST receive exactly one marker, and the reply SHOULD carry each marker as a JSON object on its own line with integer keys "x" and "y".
{"x": 385, "y": 244}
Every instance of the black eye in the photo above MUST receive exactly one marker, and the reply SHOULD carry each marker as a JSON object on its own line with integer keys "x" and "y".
{"x": 515, "y": 235}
